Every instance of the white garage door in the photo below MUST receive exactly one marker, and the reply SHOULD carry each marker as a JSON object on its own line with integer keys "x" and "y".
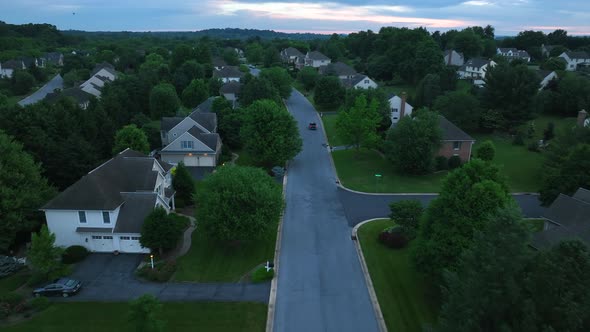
{"x": 130, "y": 244}
{"x": 191, "y": 161}
{"x": 102, "y": 243}
{"x": 207, "y": 161}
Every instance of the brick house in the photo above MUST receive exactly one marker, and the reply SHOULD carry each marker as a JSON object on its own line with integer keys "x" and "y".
{"x": 455, "y": 142}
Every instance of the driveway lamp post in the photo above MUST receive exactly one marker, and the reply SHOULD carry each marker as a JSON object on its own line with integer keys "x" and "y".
{"x": 377, "y": 176}
{"x": 152, "y": 260}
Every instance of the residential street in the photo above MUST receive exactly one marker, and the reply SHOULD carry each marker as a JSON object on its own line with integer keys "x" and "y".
{"x": 320, "y": 284}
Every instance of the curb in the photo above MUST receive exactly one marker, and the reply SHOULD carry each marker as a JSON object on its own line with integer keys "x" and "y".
{"x": 368, "y": 281}
{"x": 329, "y": 152}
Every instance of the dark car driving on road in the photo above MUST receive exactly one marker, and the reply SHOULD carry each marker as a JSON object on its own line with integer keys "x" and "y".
{"x": 61, "y": 287}
{"x": 312, "y": 126}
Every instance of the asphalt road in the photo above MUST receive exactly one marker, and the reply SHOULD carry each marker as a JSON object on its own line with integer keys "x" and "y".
{"x": 56, "y": 82}
{"x": 109, "y": 278}
{"x": 320, "y": 283}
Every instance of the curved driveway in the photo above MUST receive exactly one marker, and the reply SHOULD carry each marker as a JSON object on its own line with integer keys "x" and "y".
{"x": 320, "y": 283}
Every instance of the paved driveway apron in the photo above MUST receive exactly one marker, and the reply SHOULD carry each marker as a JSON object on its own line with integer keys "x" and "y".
{"x": 110, "y": 278}
{"x": 320, "y": 284}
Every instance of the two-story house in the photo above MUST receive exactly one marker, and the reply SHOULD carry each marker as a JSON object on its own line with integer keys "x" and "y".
{"x": 454, "y": 142}
{"x": 7, "y": 68}
{"x": 399, "y": 107}
{"x": 574, "y": 60}
{"x": 359, "y": 81}
{"x": 291, "y": 55}
{"x": 192, "y": 140}
{"x": 339, "y": 69}
{"x": 53, "y": 58}
{"x": 105, "y": 210}
{"x": 453, "y": 58}
{"x": 513, "y": 54}
{"x": 316, "y": 59}
{"x": 228, "y": 74}
{"x": 103, "y": 73}
{"x": 475, "y": 69}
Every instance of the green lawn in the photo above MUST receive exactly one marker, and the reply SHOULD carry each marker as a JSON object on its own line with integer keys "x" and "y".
{"x": 329, "y": 121}
{"x": 521, "y": 167}
{"x": 186, "y": 316}
{"x": 542, "y": 121}
{"x": 399, "y": 88}
{"x": 401, "y": 291}
{"x": 12, "y": 282}
{"x": 209, "y": 261}
{"x": 357, "y": 169}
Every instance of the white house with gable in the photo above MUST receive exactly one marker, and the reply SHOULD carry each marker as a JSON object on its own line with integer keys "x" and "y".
{"x": 399, "y": 107}
{"x": 105, "y": 210}
{"x": 574, "y": 60}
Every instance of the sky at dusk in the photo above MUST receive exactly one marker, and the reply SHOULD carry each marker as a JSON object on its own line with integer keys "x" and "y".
{"x": 340, "y": 16}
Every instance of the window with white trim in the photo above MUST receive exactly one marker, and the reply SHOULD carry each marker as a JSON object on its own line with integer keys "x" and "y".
{"x": 106, "y": 217}
{"x": 136, "y": 238}
{"x": 124, "y": 238}
{"x": 96, "y": 237}
{"x": 107, "y": 237}
{"x": 456, "y": 145}
{"x": 187, "y": 145}
{"x": 82, "y": 216}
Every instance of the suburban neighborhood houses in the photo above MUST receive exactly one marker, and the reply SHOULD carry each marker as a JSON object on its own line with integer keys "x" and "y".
{"x": 397, "y": 179}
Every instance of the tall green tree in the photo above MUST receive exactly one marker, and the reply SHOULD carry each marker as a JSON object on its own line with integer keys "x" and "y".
{"x": 329, "y": 93}
{"x": 131, "y": 137}
{"x": 511, "y": 89}
{"x": 163, "y": 101}
{"x": 24, "y": 190}
{"x": 486, "y": 151}
{"x": 567, "y": 176}
{"x": 238, "y": 204}
{"x": 230, "y": 56}
{"x": 428, "y": 59}
{"x": 43, "y": 255}
{"x": 181, "y": 53}
{"x": 183, "y": 183}
{"x": 280, "y": 79}
{"x": 145, "y": 312}
{"x": 468, "y": 43}
{"x": 254, "y": 53}
{"x": 413, "y": 142}
{"x": 467, "y": 196}
{"x": 271, "y": 57}
{"x": 428, "y": 89}
{"x": 461, "y": 108}
{"x": 484, "y": 293}
{"x": 407, "y": 214}
{"x": 159, "y": 231}
{"x": 358, "y": 125}
{"x": 22, "y": 82}
{"x": 258, "y": 88}
{"x": 270, "y": 133}
{"x": 308, "y": 76}
{"x": 194, "y": 94}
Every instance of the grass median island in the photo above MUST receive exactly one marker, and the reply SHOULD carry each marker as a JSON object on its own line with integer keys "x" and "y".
{"x": 329, "y": 121}
{"x": 186, "y": 316}
{"x": 400, "y": 290}
{"x": 357, "y": 169}
{"x": 210, "y": 261}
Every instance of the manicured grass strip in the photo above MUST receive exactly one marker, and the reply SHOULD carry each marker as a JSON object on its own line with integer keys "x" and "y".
{"x": 12, "y": 282}
{"x": 357, "y": 169}
{"x": 400, "y": 290}
{"x": 209, "y": 261}
{"x": 521, "y": 167}
{"x": 189, "y": 316}
{"x": 329, "y": 121}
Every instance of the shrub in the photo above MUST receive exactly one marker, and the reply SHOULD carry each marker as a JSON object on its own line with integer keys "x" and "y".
{"x": 486, "y": 151}
{"x": 39, "y": 303}
{"x": 533, "y": 146}
{"x": 161, "y": 272}
{"x": 454, "y": 162}
{"x": 12, "y": 299}
{"x": 442, "y": 163}
{"x": 261, "y": 274}
{"x": 36, "y": 279}
{"x": 74, "y": 254}
{"x": 518, "y": 139}
{"x": 225, "y": 154}
{"x": 549, "y": 132}
{"x": 531, "y": 130}
{"x": 393, "y": 237}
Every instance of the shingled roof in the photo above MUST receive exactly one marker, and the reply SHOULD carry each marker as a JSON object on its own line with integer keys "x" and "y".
{"x": 569, "y": 218}
{"x": 136, "y": 208}
{"x": 230, "y": 87}
{"x": 351, "y": 82}
{"x": 315, "y": 55}
{"x": 477, "y": 62}
{"x": 101, "y": 189}
{"x": 577, "y": 55}
{"x": 450, "y": 132}
{"x": 205, "y": 119}
{"x": 228, "y": 72}
{"x": 209, "y": 139}
{"x": 292, "y": 51}
{"x": 338, "y": 69}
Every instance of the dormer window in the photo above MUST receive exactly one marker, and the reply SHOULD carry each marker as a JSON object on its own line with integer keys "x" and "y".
{"x": 187, "y": 145}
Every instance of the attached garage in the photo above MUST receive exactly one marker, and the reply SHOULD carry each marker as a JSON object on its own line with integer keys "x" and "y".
{"x": 130, "y": 244}
{"x": 102, "y": 243}
{"x": 199, "y": 161}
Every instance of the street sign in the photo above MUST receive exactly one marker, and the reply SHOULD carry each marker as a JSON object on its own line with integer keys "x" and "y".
{"x": 378, "y": 175}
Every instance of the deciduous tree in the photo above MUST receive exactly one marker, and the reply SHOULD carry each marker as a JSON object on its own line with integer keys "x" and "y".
{"x": 407, "y": 214}
{"x": 131, "y": 137}
{"x": 461, "y": 108}
{"x": 195, "y": 93}
{"x": 44, "y": 256}
{"x": 163, "y": 101}
{"x": 329, "y": 93}
{"x": 486, "y": 151}
{"x": 183, "y": 183}
{"x": 280, "y": 79}
{"x": 308, "y": 76}
{"x": 145, "y": 313}
{"x": 358, "y": 125}
{"x": 159, "y": 231}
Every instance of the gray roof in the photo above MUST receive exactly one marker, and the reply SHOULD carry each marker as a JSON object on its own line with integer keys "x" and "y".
{"x": 292, "y": 51}
{"x": 508, "y": 49}
{"x": 168, "y": 123}
{"x": 356, "y": 79}
{"x": 209, "y": 139}
{"x": 450, "y": 132}
{"x": 205, "y": 119}
{"x": 337, "y": 68}
{"x": 79, "y": 95}
{"x": 315, "y": 55}
{"x": 93, "y": 230}
{"x": 477, "y": 62}
{"x": 577, "y": 55}
{"x": 228, "y": 71}
{"x": 105, "y": 65}
{"x": 101, "y": 188}
{"x": 12, "y": 64}
{"x": 218, "y": 62}
{"x": 27, "y": 61}
{"x": 206, "y": 106}
{"x": 571, "y": 219}
{"x": 136, "y": 208}
{"x": 544, "y": 73}
{"x": 230, "y": 87}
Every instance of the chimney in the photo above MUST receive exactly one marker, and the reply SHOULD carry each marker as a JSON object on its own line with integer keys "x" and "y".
{"x": 581, "y": 117}
{"x": 450, "y": 57}
{"x": 402, "y": 110}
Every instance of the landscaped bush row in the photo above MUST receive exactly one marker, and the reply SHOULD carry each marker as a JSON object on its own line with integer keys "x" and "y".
{"x": 394, "y": 237}
{"x": 161, "y": 272}
{"x": 74, "y": 254}
{"x": 15, "y": 303}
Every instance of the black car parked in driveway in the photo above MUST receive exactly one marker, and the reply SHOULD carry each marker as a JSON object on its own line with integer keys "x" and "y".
{"x": 64, "y": 287}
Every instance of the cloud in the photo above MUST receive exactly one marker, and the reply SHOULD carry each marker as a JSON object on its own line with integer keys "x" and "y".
{"x": 477, "y": 3}
{"x": 331, "y": 11}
